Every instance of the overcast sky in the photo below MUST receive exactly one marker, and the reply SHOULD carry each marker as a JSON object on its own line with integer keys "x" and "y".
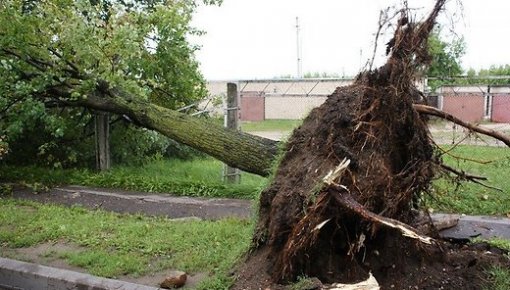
{"x": 256, "y": 39}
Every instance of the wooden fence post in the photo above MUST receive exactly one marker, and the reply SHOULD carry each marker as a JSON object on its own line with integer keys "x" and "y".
{"x": 230, "y": 174}
{"x": 102, "y": 134}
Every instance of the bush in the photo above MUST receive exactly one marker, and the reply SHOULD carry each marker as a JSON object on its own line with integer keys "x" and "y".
{"x": 4, "y": 147}
{"x": 69, "y": 142}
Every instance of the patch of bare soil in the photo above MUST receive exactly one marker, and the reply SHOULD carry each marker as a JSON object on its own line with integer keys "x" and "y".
{"x": 401, "y": 264}
{"x": 47, "y": 254}
{"x": 343, "y": 200}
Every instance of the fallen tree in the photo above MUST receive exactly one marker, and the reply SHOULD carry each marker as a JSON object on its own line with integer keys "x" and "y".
{"x": 341, "y": 204}
{"x": 247, "y": 152}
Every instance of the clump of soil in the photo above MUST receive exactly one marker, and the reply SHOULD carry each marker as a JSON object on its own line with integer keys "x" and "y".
{"x": 338, "y": 232}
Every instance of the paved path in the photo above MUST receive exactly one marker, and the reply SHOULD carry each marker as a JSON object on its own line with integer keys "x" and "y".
{"x": 138, "y": 202}
{"x": 202, "y": 208}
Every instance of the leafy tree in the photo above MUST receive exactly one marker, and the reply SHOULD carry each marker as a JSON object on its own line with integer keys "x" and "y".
{"x": 445, "y": 57}
{"x": 487, "y": 76}
{"x": 501, "y": 70}
{"x": 316, "y": 75}
{"x": 445, "y": 61}
{"x": 128, "y": 58}
{"x": 140, "y": 46}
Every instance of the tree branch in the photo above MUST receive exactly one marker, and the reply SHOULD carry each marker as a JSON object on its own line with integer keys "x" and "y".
{"x": 342, "y": 195}
{"x": 75, "y": 71}
{"x": 423, "y": 109}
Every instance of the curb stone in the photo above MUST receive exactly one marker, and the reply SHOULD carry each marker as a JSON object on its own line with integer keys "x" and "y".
{"x": 17, "y": 275}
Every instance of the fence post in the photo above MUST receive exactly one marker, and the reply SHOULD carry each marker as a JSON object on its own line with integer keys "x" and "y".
{"x": 102, "y": 134}
{"x": 231, "y": 117}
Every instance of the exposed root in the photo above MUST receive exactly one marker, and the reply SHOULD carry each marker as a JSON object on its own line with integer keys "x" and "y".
{"x": 423, "y": 109}
{"x": 370, "y": 284}
{"x": 468, "y": 177}
{"x": 343, "y": 196}
{"x": 350, "y": 203}
{"x": 449, "y": 152}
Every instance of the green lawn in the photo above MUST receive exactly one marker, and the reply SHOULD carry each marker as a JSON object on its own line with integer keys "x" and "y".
{"x": 471, "y": 198}
{"x": 499, "y": 279}
{"x": 270, "y": 125}
{"x": 112, "y": 245}
{"x": 199, "y": 177}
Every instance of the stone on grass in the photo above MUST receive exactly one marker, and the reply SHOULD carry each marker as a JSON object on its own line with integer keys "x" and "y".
{"x": 176, "y": 279}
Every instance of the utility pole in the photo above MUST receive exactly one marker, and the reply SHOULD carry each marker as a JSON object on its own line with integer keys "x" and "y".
{"x": 298, "y": 46}
{"x": 231, "y": 174}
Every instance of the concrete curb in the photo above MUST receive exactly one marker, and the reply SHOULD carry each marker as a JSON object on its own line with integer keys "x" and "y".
{"x": 467, "y": 227}
{"x": 17, "y": 275}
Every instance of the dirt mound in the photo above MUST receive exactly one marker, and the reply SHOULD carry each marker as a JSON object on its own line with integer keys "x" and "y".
{"x": 359, "y": 220}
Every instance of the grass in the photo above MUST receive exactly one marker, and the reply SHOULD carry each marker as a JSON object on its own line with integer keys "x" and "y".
{"x": 303, "y": 283}
{"x": 115, "y": 245}
{"x": 202, "y": 177}
{"x": 471, "y": 198}
{"x": 495, "y": 242}
{"x": 271, "y": 125}
{"x": 199, "y": 177}
{"x": 499, "y": 279}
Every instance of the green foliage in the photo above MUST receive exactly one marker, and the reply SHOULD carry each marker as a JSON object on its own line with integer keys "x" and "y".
{"x": 495, "y": 242}
{"x": 317, "y": 75}
{"x": 483, "y": 76}
{"x": 5, "y": 190}
{"x": 445, "y": 59}
{"x": 303, "y": 283}
{"x": 129, "y": 144}
{"x": 45, "y": 46}
{"x": 199, "y": 177}
{"x": 111, "y": 245}
{"x": 4, "y": 147}
{"x": 445, "y": 56}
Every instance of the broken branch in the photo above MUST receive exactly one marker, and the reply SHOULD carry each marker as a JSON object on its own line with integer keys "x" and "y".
{"x": 423, "y": 109}
{"x": 350, "y": 203}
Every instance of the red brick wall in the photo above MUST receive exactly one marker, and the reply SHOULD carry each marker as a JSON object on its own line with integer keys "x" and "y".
{"x": 252, "y": 107}
{"x": 466, "y": 106}
{"x": 501, "y": 108}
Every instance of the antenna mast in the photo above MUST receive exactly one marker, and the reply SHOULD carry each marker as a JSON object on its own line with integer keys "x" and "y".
{"x": 298, "y": 46}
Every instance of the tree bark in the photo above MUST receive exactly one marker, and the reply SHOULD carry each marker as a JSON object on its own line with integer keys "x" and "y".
{"x": 247, "y": 152}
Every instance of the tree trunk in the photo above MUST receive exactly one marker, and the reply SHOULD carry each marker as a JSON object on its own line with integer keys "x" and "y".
{"x": 247, "y": 152}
